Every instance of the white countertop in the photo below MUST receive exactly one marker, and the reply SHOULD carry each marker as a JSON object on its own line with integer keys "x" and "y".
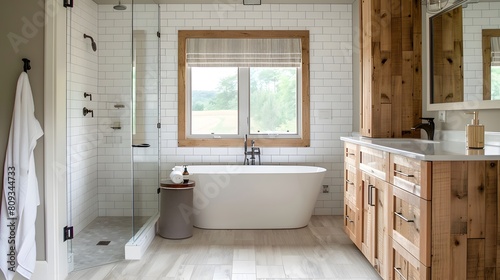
{"x": 427, "y": 150}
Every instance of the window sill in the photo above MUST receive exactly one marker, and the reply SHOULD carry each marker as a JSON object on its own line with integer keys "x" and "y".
{"x": 209, "y": 142}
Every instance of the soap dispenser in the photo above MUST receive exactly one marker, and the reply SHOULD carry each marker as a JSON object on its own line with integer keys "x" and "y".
{"x": 474, "y": 133}
{"x": 185, "y": 175}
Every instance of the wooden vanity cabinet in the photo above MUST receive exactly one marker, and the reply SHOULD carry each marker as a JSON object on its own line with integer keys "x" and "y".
{"x": 352, "y": 194}
{"x": 423, "y": 220}
{"x": 365, "y": 202}
{"x": 465, "y": 220}
{"x": 405, "y": 266}
{"x": 374, "y": 238}
{"x": 410, "y": 205}
{"x": 374, "y": 162}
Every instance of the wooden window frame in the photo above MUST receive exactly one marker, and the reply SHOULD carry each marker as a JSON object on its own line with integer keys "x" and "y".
{"x": 184, "y": 141}
{"x": 486, "y": 44}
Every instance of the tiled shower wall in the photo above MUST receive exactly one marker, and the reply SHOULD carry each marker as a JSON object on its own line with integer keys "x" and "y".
{"x": 330, "y": 29}
{"x": 119, "y": 164}
{"x": 114, "y": 152}
{"x": 82, "y": 131}
{"x": 476, "y": 17}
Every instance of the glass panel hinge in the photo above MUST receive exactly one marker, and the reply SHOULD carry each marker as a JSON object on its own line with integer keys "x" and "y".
{"x": 68, "y": 3}
{"x": 68, "y": 233}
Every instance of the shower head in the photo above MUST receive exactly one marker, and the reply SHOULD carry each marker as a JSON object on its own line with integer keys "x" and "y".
{"x": 120, "y": 7}
{"x": 94, "y": 45}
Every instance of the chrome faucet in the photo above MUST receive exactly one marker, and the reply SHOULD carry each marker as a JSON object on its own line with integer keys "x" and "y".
{"x": 254, "y": 151}
{"x": 428, "y": 127}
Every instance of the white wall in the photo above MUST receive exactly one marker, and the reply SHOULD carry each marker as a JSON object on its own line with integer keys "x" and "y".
{"x": 82, "y": 139}
{"x": 331, "y": 84}
{"x": 22, "y": 32}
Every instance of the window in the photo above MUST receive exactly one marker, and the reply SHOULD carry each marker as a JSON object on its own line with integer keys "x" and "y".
{"x": 233, "y": 83}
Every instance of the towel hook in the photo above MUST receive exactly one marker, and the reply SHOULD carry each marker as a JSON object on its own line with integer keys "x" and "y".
{"x": 27, "y": 65}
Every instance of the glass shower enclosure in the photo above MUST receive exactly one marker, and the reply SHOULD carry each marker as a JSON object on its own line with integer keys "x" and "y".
{"x": 113, "y": 125}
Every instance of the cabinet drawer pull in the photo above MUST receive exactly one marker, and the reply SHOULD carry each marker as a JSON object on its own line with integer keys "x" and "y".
{"x": 404, "y": 174}
{"x": 351, "y": 154}
{"x": 370, "y": 195}
{"x": 398, "y": 272}
{"x": 349, "y": 182}
{"x": 403, "y": 217}
{"x": 349, "y": 219}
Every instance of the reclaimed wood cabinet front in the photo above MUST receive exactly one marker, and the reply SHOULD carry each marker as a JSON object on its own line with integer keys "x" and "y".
{"x": 465, "y": 215}
{"x": 423, "y": 220}
{"x": 374, "y": 243}
{"x": 352, "y": 194}
{"x": 391, "y": 67}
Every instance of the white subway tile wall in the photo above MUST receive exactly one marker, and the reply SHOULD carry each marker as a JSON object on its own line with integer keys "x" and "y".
{"x": 330, "y": 92}
{"x": 114, "y": 146}
{"x": 476, "y": 16}
{"x": 82, "y": 65}
{"x": 122, "y": 170}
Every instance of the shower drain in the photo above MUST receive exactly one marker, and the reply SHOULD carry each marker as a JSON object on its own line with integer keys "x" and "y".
{"x": 104, "y": 243}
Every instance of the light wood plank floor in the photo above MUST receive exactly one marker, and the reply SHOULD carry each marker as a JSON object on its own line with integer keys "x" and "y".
{"x": 319, "y": 251}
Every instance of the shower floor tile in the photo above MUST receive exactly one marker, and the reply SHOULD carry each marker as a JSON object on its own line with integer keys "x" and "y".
{"x": 89, "y": 253}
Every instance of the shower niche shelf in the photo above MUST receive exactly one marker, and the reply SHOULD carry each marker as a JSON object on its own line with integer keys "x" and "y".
{"x": 116, "y": 125}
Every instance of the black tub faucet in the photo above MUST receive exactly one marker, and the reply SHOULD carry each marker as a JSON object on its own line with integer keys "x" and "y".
{"x": 428, "y": 127}
{"x": 254, "y": 151}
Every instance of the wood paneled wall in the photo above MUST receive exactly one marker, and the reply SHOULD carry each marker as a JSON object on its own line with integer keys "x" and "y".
{"x": 448, "y": 57}
{"x": 391, "y": 62}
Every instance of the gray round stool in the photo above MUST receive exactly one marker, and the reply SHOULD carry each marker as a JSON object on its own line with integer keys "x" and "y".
{"x": 176, "y": 208}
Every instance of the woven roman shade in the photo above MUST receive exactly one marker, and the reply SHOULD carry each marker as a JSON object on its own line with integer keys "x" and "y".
{"x": 243, "y": 52}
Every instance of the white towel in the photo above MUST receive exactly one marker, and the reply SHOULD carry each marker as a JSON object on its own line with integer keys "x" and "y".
{"x": 176, "y": 177}
{"x": 20, "y": 187}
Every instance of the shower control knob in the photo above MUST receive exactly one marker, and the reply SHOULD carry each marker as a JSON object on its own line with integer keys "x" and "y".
{"x": 87, "y": 111}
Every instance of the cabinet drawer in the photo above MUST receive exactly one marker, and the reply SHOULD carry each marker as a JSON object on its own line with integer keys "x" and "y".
{"x": 351, "y": 154}
{"x": 351, "y": 220}
{"x": 411, "y": 175}
{"x": 410, "y": 223}
{"x": 351, "y": 187}
{"x": 374, "y": 162}
{"x": 404, "y": 266}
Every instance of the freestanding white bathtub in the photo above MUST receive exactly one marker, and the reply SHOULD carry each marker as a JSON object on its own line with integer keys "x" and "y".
{"x": 254, "y": 197}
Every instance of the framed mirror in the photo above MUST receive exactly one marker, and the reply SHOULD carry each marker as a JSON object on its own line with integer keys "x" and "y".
{"x": 464, "y": 59}
{"x": 491, "y": 64}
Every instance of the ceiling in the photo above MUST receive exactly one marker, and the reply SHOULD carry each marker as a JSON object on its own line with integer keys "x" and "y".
{"x": 114, "y": 2}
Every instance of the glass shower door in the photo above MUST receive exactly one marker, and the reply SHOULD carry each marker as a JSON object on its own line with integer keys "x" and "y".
{"x": 145, "y": 113}
{"x": 82, "y": 126}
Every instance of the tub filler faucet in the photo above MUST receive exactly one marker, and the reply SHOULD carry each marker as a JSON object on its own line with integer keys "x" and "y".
{"x": 254, "y": 151}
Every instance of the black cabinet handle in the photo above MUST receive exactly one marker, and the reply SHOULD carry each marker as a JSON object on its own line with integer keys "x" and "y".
{"x": 370, "y": 195}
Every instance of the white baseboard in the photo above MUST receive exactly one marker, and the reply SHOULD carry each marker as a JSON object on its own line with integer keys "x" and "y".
{"x": 41, "y": 272}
